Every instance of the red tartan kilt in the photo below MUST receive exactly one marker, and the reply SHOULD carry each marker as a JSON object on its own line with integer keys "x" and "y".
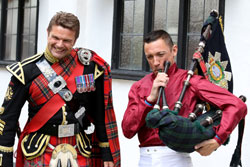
{"x": 43, "y": 160}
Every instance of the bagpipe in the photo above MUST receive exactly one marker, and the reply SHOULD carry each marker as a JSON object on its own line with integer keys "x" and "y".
{"x": 179, "y": 133}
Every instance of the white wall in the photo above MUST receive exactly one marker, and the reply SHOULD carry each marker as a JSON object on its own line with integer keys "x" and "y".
{"x": 96, "y": 17}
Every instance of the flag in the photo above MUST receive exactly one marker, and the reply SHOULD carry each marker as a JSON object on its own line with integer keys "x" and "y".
{"x": 215, "y": 55}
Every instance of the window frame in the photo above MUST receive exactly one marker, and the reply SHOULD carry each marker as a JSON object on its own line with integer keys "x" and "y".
{"x": 148, "y": 26}
{"x": 20, "y": 23}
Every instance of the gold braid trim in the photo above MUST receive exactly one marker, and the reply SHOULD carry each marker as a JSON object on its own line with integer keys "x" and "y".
{"x": 1, "y": 159}
{"x": 2, "y": 122}
{"x": 50, "y": 57}
{"x": 40, "y": 150}
{"x": 6, "y": 149}
{"x": 97, "y": 72}
{"x": 103, "y": 144}
{"x": 221, "y": 24}
{"x": 64, "y": 122}
{"x": 1, "y": 110}
{"x": 80, "y": 142}
{"x": 16, "y": 69}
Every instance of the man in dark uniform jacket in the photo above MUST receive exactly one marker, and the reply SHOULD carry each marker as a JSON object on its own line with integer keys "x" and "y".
{"x": 71, "y": 115}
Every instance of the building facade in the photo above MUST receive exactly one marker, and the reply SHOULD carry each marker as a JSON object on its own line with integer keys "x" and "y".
{"x": 114, "y": 29}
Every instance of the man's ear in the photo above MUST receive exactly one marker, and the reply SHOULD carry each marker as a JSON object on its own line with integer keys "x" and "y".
{"x": 175, "y": 49}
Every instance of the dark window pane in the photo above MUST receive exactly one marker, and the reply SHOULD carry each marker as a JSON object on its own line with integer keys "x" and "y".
{"x": 9, "y": 21}
{"x": 133, "y": 16}
{"x": 10, "y": 51}
{"x": 193, "y": 42}
{"x": 160, "y": 16}
{"x": 132, "y": 53}
{"x": 27, "y": 3}
{"x": 12, "y": 3}
{"x": 136, "y": 60}
{"x": 15, "y": 3}
{"x": 32, "y": 45}
{"x": 166, "y": 15}
{"x": 11, "y": 31}
{"x": 29, "y": 29}
{"x": 26, "y": 25}
{"x": 25, "y": 44}
{"x": 196, "y": 16}
{"x": 139, "y": 16}
{"x": 172, "y": 16}
{"x": 132, "y": 35}
{"x": 33, "y": 2}
{"x": 128, "y": 16}
{"x": 14, "y": 21}
{"x": 126, "y": 47}
{"x": 33, "y": 21}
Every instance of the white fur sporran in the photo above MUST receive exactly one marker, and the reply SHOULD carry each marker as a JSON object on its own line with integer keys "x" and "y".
{"x": 64, "y": 155}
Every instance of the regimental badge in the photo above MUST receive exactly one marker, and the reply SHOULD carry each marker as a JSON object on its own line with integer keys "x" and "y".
{"x": 9, "y": 94}
{"x": 1, "y": 110}
{"x": 216, "y": 70}
{"x": 84, "y": 55}
{"x": 85, "y": 83}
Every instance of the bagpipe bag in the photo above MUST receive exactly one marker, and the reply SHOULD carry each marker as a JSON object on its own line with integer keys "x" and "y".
{"x": 177, "y": 132}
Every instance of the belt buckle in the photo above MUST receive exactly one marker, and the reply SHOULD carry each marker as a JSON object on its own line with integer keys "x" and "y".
{"x": 66, "y": 130}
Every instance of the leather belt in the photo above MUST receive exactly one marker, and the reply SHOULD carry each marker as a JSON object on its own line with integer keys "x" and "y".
{"x": 60, "y": 130}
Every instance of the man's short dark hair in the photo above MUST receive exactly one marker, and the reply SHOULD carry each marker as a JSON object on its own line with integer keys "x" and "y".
{"x": 66, "y": 20}
{"x": 158, "y": 34}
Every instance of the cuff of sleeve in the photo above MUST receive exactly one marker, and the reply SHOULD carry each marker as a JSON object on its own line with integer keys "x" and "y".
{"x": 106, "y": 154}
{"x": 105, "y": 150}
{"x": 148, "y": 103}
{"x": 6, "y": 149}
{"x": 218, "y": 139}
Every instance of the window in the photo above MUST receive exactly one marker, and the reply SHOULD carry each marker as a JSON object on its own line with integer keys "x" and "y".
{"x": 18, "y": 20}
{"x": 182, "y": 19}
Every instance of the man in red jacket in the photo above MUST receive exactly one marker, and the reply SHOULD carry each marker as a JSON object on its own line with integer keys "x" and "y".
{"x": 158, "y": 47}
{"x": 71, "y": 114}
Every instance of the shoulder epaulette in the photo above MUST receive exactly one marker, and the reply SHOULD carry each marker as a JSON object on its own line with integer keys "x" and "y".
{"x": 17, "y": 68}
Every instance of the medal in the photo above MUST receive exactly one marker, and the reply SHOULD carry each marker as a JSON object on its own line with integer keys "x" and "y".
{"x": 85, "y": 83}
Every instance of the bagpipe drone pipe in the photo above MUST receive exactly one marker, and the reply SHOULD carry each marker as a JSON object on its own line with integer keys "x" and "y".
{"x": 179, "y": 133}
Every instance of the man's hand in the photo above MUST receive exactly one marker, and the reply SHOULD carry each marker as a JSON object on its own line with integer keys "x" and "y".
{"x": 108, "y": 164}
{"x": 206, "y": 147}
{"x": 160, "y": 80}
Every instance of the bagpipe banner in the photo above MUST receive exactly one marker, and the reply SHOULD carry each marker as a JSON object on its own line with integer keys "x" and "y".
{"x": 215, "y": 55}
